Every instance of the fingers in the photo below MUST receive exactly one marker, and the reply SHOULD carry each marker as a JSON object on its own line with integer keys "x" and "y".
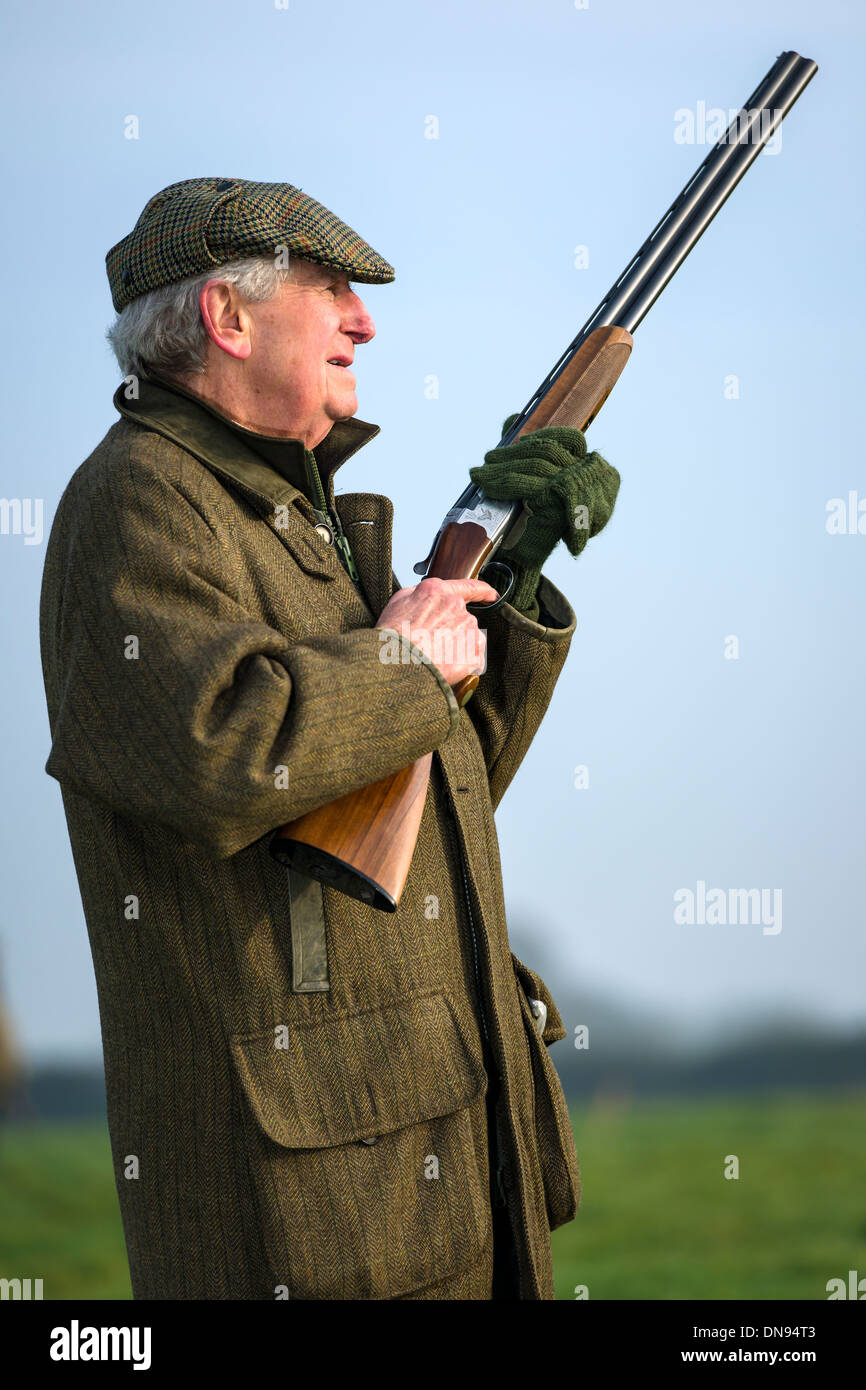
{"x": 433, "y": 615}
{"x": 469, "y": 590}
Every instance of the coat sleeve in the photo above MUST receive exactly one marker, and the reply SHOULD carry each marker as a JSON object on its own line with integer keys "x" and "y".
{"x": 172, "y": 703}
{"x": 524, "y": 659}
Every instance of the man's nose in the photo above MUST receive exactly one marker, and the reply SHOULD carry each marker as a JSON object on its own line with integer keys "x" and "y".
{"x": 357, "y": 323}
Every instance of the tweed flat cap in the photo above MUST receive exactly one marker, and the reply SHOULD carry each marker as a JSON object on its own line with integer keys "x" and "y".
{"x": 198, "y": 224}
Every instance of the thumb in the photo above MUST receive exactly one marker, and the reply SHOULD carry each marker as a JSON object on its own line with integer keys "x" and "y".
{"x": 506, "y": 425}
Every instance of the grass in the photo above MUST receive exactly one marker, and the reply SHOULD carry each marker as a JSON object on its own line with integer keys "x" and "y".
{"x": 59, "y": 1215}
{"x": 658, "y": 1219}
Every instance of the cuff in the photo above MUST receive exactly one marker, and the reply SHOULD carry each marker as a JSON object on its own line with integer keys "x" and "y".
{"x": 556, "y": 622}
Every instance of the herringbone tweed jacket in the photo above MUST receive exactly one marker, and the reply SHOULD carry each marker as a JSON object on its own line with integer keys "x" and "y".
{"x": 295, "y": 1081}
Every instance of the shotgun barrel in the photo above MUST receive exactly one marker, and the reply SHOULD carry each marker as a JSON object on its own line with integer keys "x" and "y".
{"x": 362, "y": 844}
{"x": 634, "y": 292}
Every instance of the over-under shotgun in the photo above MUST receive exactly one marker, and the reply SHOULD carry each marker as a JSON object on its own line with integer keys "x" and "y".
{"x": 363, "y": 843}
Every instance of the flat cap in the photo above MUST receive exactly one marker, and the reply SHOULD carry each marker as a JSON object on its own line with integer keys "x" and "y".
{"x": 198, "y": 224}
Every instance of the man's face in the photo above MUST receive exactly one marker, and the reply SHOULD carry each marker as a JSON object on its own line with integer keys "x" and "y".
{"x": 296, "y": 377}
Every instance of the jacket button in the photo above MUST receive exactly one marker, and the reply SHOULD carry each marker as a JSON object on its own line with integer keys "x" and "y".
{"x": 538, "y": 1009}
{"x": 374, "y": 1140}
{"x": 325, "y": 532}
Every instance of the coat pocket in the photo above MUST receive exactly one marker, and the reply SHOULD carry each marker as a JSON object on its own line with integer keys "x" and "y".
{"x": 556, "y": 1151}
{"x": 368, "y": 1148}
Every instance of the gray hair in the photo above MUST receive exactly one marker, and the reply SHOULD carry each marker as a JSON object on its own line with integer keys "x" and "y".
{"x": 162, "y": 332}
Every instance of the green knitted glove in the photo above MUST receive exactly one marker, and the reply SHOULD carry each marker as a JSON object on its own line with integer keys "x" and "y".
{"x": 569, "y": 493}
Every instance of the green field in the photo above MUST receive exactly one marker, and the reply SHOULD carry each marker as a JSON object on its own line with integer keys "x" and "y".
{"x": 59, "y": 1217}
{"x": 658, "y": 1218}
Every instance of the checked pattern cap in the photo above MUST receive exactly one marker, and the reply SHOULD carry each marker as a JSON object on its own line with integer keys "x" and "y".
{"x": 198, "y": 224}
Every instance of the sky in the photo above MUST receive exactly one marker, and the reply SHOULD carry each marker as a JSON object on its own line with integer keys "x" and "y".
{"x": 714, "y": 688}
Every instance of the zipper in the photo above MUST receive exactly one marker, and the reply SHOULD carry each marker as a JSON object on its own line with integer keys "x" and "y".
{"x": 327, "y": 518}
{"x": 499, "y": 1198}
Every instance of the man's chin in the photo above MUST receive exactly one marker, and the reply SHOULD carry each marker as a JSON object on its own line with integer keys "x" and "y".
{"x": 345, "y": 409}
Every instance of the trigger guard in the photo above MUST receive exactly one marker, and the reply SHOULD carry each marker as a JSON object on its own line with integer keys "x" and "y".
{"x": 494, "y": 565}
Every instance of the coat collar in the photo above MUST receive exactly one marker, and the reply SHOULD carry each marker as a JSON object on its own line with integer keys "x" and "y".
{"x": 261, "y": 463}
{"x": 220, "y": 445}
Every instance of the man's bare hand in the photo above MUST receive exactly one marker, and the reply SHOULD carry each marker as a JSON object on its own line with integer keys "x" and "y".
{"x": 433, "y": 615}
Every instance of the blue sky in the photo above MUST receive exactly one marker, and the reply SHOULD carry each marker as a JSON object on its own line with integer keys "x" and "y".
{"x": 555, "y": 129}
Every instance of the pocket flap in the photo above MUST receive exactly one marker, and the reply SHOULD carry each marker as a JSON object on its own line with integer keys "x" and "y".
{"x": 315, "y": 557}
{"x": 534, "y": 988}
{"x": 308, "y": 549}
{"x": 348, "y": 1077}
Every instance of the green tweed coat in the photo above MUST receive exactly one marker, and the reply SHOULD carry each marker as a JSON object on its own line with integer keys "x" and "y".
{"x": 295, "y": 1081}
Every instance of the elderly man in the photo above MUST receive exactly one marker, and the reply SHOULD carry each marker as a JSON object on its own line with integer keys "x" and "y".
{"x": 307, "y": 1098}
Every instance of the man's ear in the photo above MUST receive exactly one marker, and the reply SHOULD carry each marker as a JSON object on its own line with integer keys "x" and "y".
{"x": 225, "y": 319}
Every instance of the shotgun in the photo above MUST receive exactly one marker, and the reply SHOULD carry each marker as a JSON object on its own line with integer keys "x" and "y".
{"x": 362, "y": 844}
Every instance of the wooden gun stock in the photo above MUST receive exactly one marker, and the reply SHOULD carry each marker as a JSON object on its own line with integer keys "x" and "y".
{"x": 362, "y": 844}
